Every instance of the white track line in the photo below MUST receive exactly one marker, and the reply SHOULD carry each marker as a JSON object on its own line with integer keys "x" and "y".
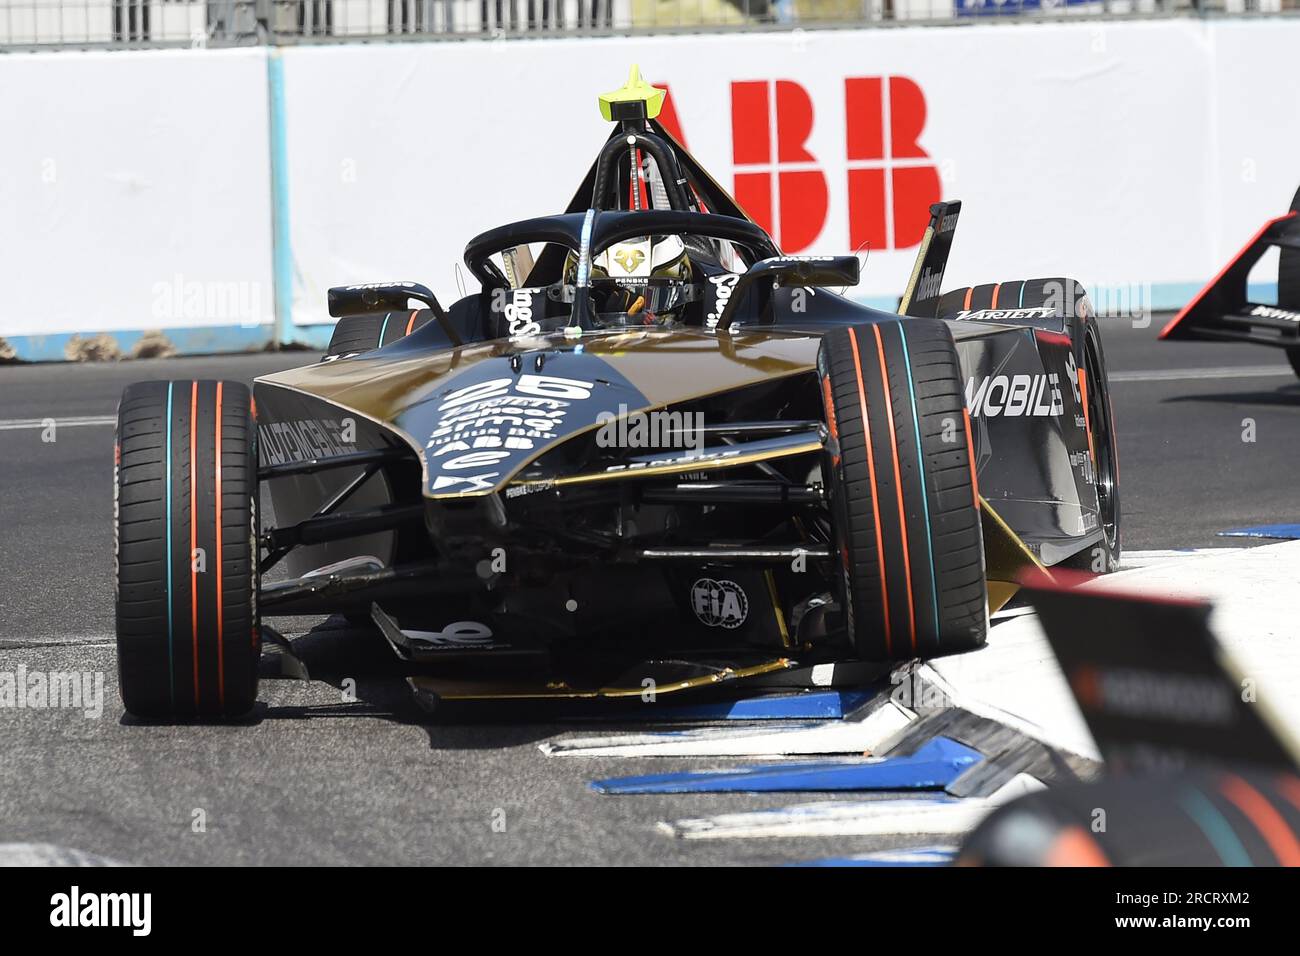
{"x": 1133, "y": 560}
{"x": 827, "y": 737}
{"x": 1184, "y": 374}
{"x": 935, "y": 816}
{"x": 85, "y": 421}
{"x": 48, "y": 854}
{"x": 40, "y": 643}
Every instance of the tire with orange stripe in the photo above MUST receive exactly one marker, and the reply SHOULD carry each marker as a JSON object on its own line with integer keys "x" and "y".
{"x": 188, "y": 637}
{"x": 1202, "y": 817}
{"x": 902, "y": 490}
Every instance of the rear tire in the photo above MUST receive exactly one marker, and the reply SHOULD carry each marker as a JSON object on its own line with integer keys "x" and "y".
{"x": 1069, "y": 300}
{"x": 902, "y": 489}
{"x": 1103, "y": 557}
{"x": 1288, "y": 284}
{"x": 355, "y": 334}
{"x": 185, "y": 548}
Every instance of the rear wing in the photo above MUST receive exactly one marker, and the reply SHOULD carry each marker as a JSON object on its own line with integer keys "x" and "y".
{"x": 922, "y": 296}
{"x": 1223, "y": 310}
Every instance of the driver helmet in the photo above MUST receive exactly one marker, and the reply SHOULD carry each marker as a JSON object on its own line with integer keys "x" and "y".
{"x": 640, "y": 281}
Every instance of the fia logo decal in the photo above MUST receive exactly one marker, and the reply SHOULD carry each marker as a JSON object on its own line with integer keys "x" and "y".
{"x": 719, "y": 603}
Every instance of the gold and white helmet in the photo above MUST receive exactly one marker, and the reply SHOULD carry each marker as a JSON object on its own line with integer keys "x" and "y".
{"x": 644, "y": 257}
{"x": 639, "y": 281}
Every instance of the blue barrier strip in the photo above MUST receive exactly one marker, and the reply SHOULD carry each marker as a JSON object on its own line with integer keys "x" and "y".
{"x": 216, "y": 340}
{"x": 1164, "y": 297}
{"x": 210, "y": 340}
{"x": 281, "y": 248}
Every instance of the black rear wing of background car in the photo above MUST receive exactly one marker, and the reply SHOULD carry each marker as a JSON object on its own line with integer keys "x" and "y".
{"x": 1223, "y": 310}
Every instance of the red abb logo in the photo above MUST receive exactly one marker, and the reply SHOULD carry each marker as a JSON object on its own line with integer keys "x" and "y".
{"x": 891, "y": 180}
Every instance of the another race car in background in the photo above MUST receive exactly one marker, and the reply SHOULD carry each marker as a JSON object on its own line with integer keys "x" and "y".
{"x": 652, "y": 447}
{"x": 1224, "y": 310}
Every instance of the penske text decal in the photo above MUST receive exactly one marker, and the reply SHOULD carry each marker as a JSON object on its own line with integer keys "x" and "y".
{"x": 1013, "y": 396}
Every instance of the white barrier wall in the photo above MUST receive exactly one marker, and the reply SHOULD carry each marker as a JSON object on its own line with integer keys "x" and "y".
{"x": 1080, "y": 149}
{"x": 134, "y": 190}
{"x": 136, "y": 186}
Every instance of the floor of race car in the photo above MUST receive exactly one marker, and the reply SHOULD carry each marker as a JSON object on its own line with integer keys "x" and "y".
{"x": 317, "y": 780}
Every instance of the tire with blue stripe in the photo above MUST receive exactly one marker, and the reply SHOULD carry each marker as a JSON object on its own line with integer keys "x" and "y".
{"x": 902, "y": 490}
{"x": 185, "y": 550}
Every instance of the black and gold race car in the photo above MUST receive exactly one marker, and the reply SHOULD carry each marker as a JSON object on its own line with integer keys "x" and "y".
{"x": 651, "y": 450}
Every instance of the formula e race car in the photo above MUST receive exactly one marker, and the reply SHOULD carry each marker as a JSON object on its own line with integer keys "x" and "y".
{"x": 1224, "y": 312}
{"x": 652, "y": 448}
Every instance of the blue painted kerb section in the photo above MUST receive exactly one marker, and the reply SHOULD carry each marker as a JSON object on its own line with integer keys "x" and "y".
{"x": 1279, "y": 531}
{"x": 936, "y": 764}
{"x": 281, "y": 248}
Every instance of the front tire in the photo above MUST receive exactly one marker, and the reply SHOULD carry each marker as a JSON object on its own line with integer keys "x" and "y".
{"x": 186, "y": 529}
{"x": 903, "y": 490}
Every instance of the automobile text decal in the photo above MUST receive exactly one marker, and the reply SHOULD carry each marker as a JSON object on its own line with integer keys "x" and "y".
{"x": 305, "y": 439}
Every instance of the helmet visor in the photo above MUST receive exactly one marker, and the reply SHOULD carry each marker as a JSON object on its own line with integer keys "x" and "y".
{"x": 636, "y": 302}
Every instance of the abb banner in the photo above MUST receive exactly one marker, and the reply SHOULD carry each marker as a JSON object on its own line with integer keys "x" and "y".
{"x": 890, "y": 181}
{"x": 1071, "y": 149}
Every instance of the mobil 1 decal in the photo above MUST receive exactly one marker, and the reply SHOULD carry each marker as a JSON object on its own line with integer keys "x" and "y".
{"x": 486, "y": 423}
{"x": 1023, "y": 402}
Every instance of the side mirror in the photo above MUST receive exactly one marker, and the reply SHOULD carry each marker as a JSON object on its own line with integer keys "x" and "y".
{"x": 809, "y": 270}
{"x": 348, "y": 300}
{"x": 791, "y": 271}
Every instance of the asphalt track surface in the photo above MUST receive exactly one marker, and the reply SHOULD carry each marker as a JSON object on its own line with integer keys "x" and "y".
{"x": 315, "y": 780}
